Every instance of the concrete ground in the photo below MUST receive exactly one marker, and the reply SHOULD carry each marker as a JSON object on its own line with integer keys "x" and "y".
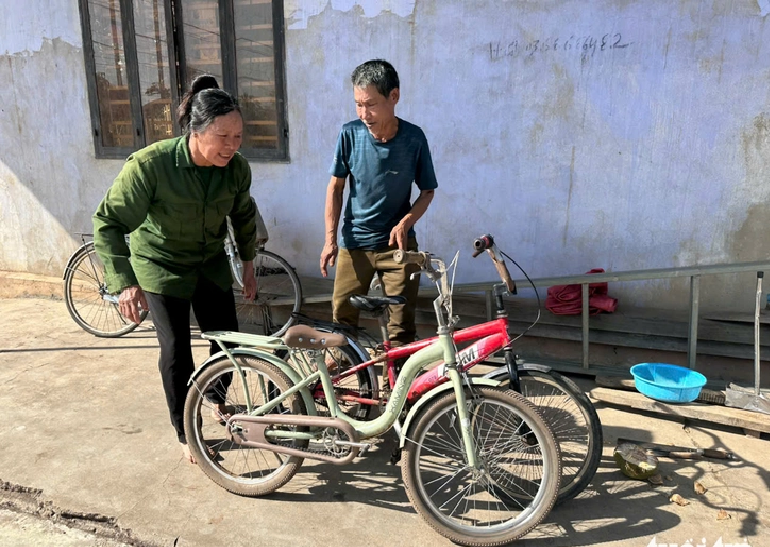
{"x": 86, "y": 446}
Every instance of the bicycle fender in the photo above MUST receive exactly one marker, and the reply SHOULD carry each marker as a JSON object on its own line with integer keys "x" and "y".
{"x": 75, "y": 255}
{"x": 356, "y": 347}
{"x": 502, "y": 371}
{"x": 432, "y": 394}
{"x": 285, "y": 367}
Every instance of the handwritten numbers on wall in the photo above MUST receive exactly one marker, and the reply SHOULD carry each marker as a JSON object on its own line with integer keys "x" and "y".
{"x": 582, "y": 45}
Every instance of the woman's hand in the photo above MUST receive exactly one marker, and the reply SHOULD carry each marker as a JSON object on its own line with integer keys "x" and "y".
{"x": 249, "y": 281}
{"x": 131, "y": 303}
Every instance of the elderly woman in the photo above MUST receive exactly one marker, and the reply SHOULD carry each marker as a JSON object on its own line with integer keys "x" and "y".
{"x": 173, "y": 196}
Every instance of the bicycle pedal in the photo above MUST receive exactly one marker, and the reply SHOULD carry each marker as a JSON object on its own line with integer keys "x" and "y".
{"x": 395, "y": 456}
{"x": 362, "y": 447}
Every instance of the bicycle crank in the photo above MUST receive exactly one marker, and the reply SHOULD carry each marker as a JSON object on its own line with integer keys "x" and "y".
{"x": 252, "y": 431}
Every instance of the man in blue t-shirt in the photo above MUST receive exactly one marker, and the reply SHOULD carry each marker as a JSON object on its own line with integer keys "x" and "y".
{"x": 381, "y": 156}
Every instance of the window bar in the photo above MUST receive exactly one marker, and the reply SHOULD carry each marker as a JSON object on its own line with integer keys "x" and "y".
{"x": 178, "y": 14}
{"x": 227, "y": 41}
{"x": 174, "y": 61}
{"x": 279, "y": 62}
{"x": 132, "y": 70}
{"x": 93, "y": 98}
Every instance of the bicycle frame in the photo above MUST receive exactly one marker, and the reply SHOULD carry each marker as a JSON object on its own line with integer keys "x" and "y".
{"x": 440, "y": 348}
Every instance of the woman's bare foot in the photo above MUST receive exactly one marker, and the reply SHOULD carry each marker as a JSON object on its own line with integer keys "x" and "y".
{"x": 187, "y": 455}
{"x": 219, "y": 413}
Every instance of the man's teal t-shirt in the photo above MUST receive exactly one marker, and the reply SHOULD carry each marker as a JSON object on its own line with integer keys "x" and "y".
{"x": 381, "y": 177}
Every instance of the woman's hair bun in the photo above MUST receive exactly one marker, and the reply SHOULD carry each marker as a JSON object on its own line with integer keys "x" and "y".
{"x": 200, "y": 83}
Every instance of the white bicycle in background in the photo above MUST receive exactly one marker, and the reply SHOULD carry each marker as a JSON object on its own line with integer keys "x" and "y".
{"x": 279, "y": 293}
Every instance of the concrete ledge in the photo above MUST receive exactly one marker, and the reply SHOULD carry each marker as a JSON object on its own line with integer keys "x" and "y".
{"x": 21, "y": 284}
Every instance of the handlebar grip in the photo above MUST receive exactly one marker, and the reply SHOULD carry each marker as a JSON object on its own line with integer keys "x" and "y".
{"x": 409, "y": 257}
{"x": 481, "y": 244}
{"x": 505, "y": 275}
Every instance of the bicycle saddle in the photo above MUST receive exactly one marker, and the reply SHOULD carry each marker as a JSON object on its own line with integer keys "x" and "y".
{"x": 375, "y": 304}
{"x": 304, "y": 336}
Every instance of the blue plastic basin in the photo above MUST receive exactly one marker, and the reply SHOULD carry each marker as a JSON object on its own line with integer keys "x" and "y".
{"x": 668, "y": 383}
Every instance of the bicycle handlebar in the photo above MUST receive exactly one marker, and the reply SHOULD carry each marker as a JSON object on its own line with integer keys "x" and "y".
{"x": 487, "y": 243}
{"x": 481, "y": 244}
{"x": 505, "y": 275}
{"x": 410, "y": 257}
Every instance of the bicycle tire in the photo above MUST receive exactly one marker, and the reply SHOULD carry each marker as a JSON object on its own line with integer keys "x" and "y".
{"x": 546, "y": 390}
{"x": 278, "y": 286}
{"x": 84, "y": 288}
{"x": 228, "y": 464}
{"x": 534, "y": 497}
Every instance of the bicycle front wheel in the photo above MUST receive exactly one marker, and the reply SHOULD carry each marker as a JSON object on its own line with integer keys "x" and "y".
{"x": 86, "y": 297}
{"x": 516, "y": 485}
{"x": 279, "y": 294}
{"x": 574, "y": 422}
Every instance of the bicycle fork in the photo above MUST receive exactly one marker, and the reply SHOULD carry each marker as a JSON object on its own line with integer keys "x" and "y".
{"x": 462, "y": 402}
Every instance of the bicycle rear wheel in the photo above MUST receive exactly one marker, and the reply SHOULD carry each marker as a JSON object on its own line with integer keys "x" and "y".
{"x": 574, "y": 423}
{"x": 84, "y": 296}
{"x": 238, "y": 468}
{"x": 360, "y": 385}
{"x": 512, "y": 492}
{"x": 279, "y": 294}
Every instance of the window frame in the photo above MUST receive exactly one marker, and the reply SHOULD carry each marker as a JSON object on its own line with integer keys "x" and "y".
{"x": 176, "y": 55}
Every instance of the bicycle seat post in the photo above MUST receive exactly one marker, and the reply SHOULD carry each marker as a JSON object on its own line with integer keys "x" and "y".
{"x": 382, "y": 320}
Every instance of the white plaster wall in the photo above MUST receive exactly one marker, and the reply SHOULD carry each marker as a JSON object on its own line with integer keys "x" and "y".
{"x": 652, "y": 155}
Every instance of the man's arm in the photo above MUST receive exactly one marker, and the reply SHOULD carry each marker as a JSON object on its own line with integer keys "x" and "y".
{"x": 332, "y": 211}
{"x": 399, "y": 231}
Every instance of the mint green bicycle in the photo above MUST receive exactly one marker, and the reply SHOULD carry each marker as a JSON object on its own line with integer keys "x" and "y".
{"x": 479, "y": 463}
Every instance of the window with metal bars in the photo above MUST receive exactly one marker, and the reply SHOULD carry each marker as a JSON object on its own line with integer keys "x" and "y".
{"x": 141, "y": 55}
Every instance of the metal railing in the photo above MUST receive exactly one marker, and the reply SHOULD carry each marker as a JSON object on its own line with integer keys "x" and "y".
{"x": 694, "y": 273}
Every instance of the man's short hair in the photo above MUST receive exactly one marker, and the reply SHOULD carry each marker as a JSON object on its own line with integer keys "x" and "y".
{"x": 377, "y": 72}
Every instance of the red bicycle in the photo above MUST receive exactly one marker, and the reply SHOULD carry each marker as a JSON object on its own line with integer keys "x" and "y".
{"x": 565, "y": 407}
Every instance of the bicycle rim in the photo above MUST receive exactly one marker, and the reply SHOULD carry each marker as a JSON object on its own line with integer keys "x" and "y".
{"x": 574, "y": 423}
{"x": 84, "y": 291}
{"x": 519, "y": 481}
{"x": 240, "y": 469}
{"x": 279, "y": 294}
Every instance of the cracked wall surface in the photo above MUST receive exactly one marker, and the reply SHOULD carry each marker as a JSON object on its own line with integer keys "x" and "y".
{"x": 618, "y": 134}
